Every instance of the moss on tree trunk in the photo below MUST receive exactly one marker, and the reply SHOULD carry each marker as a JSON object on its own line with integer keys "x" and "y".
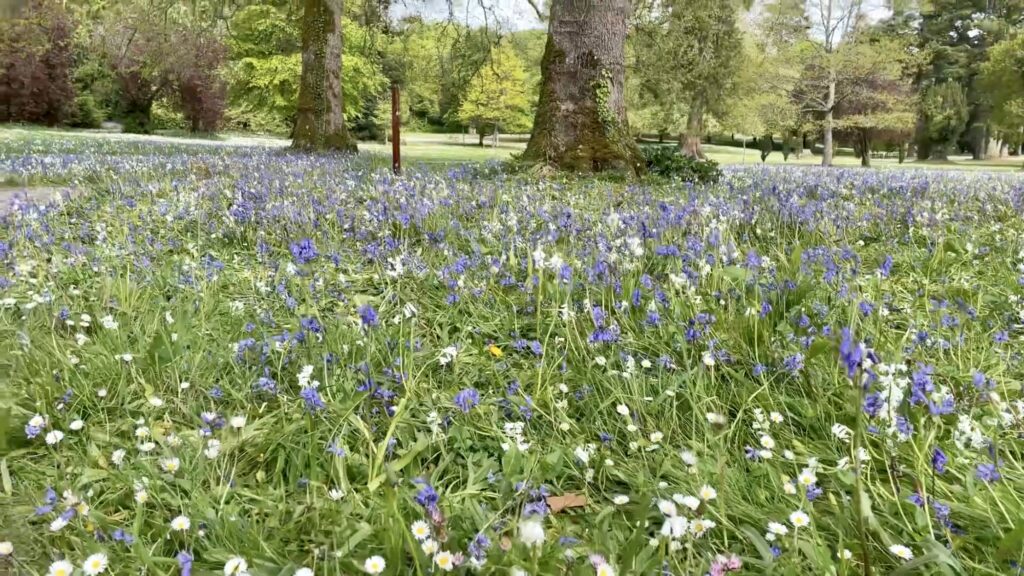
{"x": 580, "y": 124}
{"x": 320, "y": 121}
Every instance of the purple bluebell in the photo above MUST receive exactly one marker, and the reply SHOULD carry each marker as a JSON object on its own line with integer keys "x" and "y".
{"x": 312, "y": 399}
{"x": 368, "y": 316}
{"x": 467, "y": 399}
{"x": 987, "y": 472}
{"x": 303, "y": 251}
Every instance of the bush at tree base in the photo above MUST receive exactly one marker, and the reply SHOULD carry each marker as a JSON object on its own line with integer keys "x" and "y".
{"x": 666, "y": 161}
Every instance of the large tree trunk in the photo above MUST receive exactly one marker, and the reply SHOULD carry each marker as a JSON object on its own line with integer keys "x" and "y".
{"x": 826, "y": 140}
{"x": 689, "y": 141}
{"x": 320, "y": 123}
{"x": 580, "y": 123}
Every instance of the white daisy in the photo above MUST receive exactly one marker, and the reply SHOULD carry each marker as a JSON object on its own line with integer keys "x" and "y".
{"x": 374, "y": 565}
{"x": 901, "y": 552}
{"x": 181, "y": 523}
{"x": 531, "y": 532}
{"x": 61, "y": 568}
{"x": 445, "y": 561}
{"x": 420, "y": 530}
{"x": 799, "y": 519}
{"x": 236, "y": 566}
{"x": 95, "y": 564}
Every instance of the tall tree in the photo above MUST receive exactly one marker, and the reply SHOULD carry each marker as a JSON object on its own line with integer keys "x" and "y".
{"x": 689, "y": 50}
{"x": 1003, "y": 81}
{"x": 832, "y": 19}
{"x": 581, "y": 123}
{"x": 880, "y": 106}
{"x": 320, "y": 122}
{"x": 496, "y": 99}
{"x": 956, "y": 34}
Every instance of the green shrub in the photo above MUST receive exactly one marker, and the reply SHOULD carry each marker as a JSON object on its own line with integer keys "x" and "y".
{"x": 164, "y": 117}
{"x": 666, "y": 161}
{"x": 86, "y": 113}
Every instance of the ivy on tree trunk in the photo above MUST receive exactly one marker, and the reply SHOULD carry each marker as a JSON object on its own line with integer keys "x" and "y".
{"x": 580, "y": 124}
{"x": 320, "y": 122}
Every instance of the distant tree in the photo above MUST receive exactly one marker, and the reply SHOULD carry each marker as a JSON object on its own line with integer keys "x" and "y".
{"x": 956, "y": 36}
{"x": 496, "y": 98}
{"x": 1002, "y": 81}
{"x": 880, "y": 106}
{"x": 36, "y": 65}
{"x": 201, "y": 89}
{"x": 266, "y": 69}
{"x": 168, "y": 56}
{"x": 944, "y": 112}
{"x": 688, "y": 51}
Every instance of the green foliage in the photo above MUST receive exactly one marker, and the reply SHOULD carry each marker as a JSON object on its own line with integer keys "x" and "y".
{"x": 261, "y": 31}
{"x": 1003, "y": 82}
{"x": 945, "y": 112}
{"x": 264, "y": 82}
{"x": 164, "y": 116}
{"x": 497, "y": 94}
{"x": 86, "y": 113}
{"x": 688, "y": 50}
{"x": 666, "y": 161}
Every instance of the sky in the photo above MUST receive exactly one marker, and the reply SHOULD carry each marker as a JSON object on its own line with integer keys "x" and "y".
{"x": 501, "y": 14}
{"x": 509, "y": 15}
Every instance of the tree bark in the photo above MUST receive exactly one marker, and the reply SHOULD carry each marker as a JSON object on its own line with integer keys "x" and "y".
{"x": 580, "y": 124}
{"x": 689, "y": 140}
{"x": 865, "y": 148}
{"x": 320, "y": 122}
{"x": 826, "y": 140}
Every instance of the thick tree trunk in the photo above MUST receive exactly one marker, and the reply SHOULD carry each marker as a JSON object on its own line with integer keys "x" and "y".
{"x": 580, "y": 123}
{"x": 865, "y": 148}
{"x": 826, "y": 140}
{"x": 901, "y": 152}
{"x": 320, "y": 122}
{"x": 689, "y": 141}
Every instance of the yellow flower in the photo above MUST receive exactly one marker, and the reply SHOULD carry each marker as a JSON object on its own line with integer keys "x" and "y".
{"x": 495, "y": 351}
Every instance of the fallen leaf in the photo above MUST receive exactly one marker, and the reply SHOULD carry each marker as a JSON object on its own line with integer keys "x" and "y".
{"x": 568, "y": 500}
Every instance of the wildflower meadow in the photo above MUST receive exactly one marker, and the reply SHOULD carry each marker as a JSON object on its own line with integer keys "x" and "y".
{"x": 238, "y": 360}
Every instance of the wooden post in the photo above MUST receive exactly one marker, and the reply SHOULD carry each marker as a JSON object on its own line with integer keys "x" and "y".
{"x": 396, "y": 139}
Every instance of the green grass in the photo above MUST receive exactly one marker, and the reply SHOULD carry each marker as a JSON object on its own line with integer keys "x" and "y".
{"x": 672, "y": 357}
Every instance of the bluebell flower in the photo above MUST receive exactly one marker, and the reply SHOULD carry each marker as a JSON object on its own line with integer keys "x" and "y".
{"x": 427, "y": 496}
{"x": 303, "y": 251}
{"x": 987, "y": 472}
{"x": 312, "y": 399}
{"x": 813, "y": 491}
{"x": 185, "y": 563}
{"x": 466, "y": 399}
{"x": 794, "y": 363}
{"x": 335, "y": 448}
{"x": 478, "y": 546}
{"x": 368, "y": 316}
{"x": 886, "y": 267}
{"x": 850, "y": 352}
